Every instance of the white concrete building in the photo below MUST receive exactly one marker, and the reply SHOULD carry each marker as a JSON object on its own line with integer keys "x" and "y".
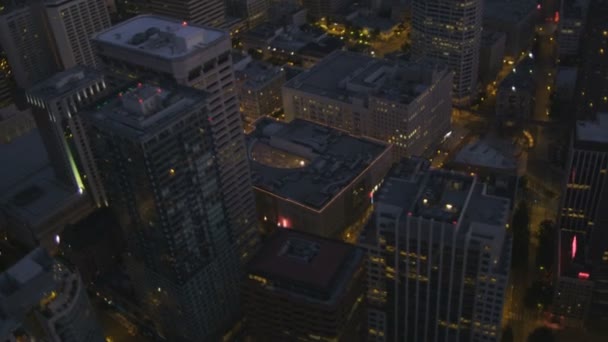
{"x": 72, "y": 23}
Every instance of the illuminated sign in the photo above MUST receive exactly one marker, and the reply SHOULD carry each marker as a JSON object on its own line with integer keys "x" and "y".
{"x": 583, "y": 275}
{"x": 574, "y": 245}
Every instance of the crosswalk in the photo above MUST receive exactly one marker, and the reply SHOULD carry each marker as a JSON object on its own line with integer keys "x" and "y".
{"x": 515, "y": 316}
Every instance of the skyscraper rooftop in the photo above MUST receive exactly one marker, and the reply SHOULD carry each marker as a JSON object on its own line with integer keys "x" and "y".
{"x": 441, "y": 195}
{"x": 65, "y": 81}
{"x": 144, "y": 108}
{"x": 160, "y": 36}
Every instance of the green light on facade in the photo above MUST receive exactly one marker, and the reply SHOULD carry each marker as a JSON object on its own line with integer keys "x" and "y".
{"x": 75, "y": 171}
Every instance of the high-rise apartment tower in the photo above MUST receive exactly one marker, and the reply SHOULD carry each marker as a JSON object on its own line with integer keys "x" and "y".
{"x": 449, "y": 31}
{"x": 156, "y": 153}
{"x": 199, "y": 57}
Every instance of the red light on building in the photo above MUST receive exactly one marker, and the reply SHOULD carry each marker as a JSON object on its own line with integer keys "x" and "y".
{"x": 158, "y": 90}
{"x": 409, "y": 213}
{"x": 184, "y": 23}
{"x": 583, "y": 275}
{"x": 139, "y": 85}
{"x": 284, "y": 223}
{"x": 140, "y": 100}
{"x": 574, "y": 245}
{"x": 454, "y": 222}
{"x": 556, "y": 17}
{"x": 573, "y": 176}
{"x": 539, "y": 7}
{"x": 371, "y": 194}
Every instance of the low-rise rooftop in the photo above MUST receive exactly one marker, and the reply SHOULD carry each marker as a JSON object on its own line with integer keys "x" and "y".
{"x": 160, "y": 36}
{"x": 307, "y": 260}
{"x": 480, "y": 153}
{"x": 19, "y": 275}
{"x": 306, "y": 162}
{"x": 343, "y": 75}
{"x": 22, "y": 165}
{"x": 257, "y": 74}
{"x": 29, "y": 188}
{"x": 593, "y": 131}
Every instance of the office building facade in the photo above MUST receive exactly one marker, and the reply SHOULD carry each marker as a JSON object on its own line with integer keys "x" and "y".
{"x": 72, "y": 23}
{"x": 439, "y": 257}
{"x": 583, "y": 250}
{"x": 56, "y": 103}
{"x": 450, "y": 32}
{"x": 408, "y": 105}
{"x": 208, "y": 12}
{"x": 592, "y": 85}
{"x": 517, "y": 19}
{"x": 570, "y": 28}
{"x": 199, "y": 57}
{"x": 157, "y": 156}
{"x": 259, "y": 85}
{"x": 305, "y": 288}
{"x": 254, "y": 12}
{"x": 7, "y": 83}
{"x": 28, "y": 51}
{"x": 43, "y": 37}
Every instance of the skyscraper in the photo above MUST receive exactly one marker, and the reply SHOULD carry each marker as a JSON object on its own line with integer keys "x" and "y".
{"x": 206, "y": 12}
{"x": 583, "y": 252}
{"x": 199, "y": 57}
{"x": 6, "y": 81}
{"x": 52, "y": 294}
{"x": 253, "y": 11}
{"x": 156, "y": 151}
{"x": 439, "y": 257}
{"x": 55, "y": 104}
{"x": 449, "y": 31}
{"x": 43, "y": 37}
{"x": 26, "y": 43}
{"x": 592, "y": 84}
{"x": 72, "y": 23}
